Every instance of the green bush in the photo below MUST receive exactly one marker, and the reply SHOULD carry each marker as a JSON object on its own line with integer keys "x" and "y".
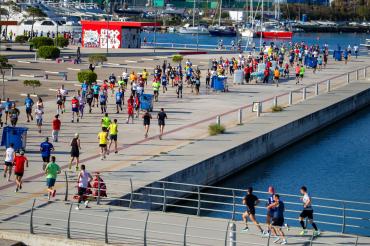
{"x": 62, "y": 42}
{"x": 48, "y": 52}
{"x": 21, "y": 39}
{"x": 37, "y": 42}
{"x": 215, "y": 129}
{"x": 277, "y": 108}
{"x": 96, "y": 59}
{"x": 177, "y": 58}
{"x": 87, "y": 75}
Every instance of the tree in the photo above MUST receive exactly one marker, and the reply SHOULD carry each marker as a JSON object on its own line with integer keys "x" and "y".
{"x": 34, "y": 13}
{"x": 33, "y": 84}
{"x": 4, "y": 64}
{"x": 9, "y": 9}
{"x": 177, "y": 58}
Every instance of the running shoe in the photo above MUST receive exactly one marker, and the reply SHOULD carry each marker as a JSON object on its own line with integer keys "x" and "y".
{"x": 284, "y": 242}
{"x": 316, "y": 233}
{"x": 54, "y": 192}
{"x": 287, "y": 227}
{"x": 16, "y": 190}
{"x": 77, "y": 168}
{"x": 265, "y": 234}
{"x": 20, "y": 186}
{"x": 302, "y": 233}
{"x": 276, "y": 239}
{"x": 78, "y": 120}
{"x": 245, "y": 229}
{"x": 77, "y": 208}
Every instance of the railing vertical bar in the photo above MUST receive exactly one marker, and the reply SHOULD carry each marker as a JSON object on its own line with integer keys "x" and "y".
{"x": 233, "y": 215}
{"x": 185, "y": 230}
{"x": 290, "y": 100}
{"x": 268, "y": 239}
{"x": 145, "y": 228}
{"x": 66, "y": 193}
{"x": 356, "y": 241}
{"x": 227, "y": 232}
{"x": 198, "y": 210}
{"x": 131, "y": 194}
{"x": 164, "y": 198}
{"x": 344, "y": 218}
{"x": 69, "y": 221}
{"x": 106, "y": 227}
{"x": 31, "y": 216}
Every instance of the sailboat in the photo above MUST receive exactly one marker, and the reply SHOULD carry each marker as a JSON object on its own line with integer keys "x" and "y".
{"x": 248, "y": 31}
{"x": 219, "y": 30}
{"x": 187, "y": 29}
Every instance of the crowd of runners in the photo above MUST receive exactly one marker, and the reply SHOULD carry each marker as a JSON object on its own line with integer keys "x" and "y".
{"x": 125, "y": 92}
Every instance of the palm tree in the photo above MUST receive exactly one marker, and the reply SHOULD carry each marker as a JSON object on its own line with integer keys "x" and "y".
{"x": 4, "y": 64}
{"x": 34, "y": 12}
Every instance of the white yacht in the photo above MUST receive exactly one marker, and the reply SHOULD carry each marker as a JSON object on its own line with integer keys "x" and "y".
{"x": 187, "y": 29}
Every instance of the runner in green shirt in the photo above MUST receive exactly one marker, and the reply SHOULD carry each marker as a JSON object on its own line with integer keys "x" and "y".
{"x": 52, "y": 170}
{"x": 301, "y": 72}
{"x": 105, "y": 121}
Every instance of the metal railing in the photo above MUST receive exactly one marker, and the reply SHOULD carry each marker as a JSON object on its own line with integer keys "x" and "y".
{"x": 332, "y": 214}
{"x": 113, "y": 225}
{"x": 293, "y": 97}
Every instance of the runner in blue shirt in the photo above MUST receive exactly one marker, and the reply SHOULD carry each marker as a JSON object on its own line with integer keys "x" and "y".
{"x": 7, "y": 106}
{"x": 119, "y": 99}
{"x": 84, "y": 88}
{"x": 103, "y": 101}
{"x": 96, "y": 89}
{"x": 28, "y": 102}
{"x": 45, "y": 149}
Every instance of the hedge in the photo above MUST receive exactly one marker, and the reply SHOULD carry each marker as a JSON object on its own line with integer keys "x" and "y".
{"x": 96, "y": 59}
{"x": 177, "y": 58}
{"x": 48, "y": 52}
{"x": 62, "y": 42}
{"x": 21, "y": 39}
{"x": 87, "y": 75}
{"x": 37, "y": 42}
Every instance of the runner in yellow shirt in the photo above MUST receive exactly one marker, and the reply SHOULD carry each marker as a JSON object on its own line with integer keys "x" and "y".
{"x": 103, "y": 140}
{"x": 145, "y": 75}
{"x": 113, "y": 132}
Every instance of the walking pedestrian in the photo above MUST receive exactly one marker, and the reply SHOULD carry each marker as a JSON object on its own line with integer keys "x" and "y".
{"x": 45, "y": 148}
{"x": 56, "y": 128}
{"x": 162, "y": 116}
{"x": 147, "y": 116}
{"x": 250, "y": 201}
{"x": 307, "y": 212}
{"x": 75, "y": 151}
{"x": 103, "y": 139}
{"x": 277, "y": 219}
{"x": 19, "y": 162}
{"x": 113, "y": 132}
{"x": 51, "y": 170}
{"x": 28, "y": 102}
{"x": 9, "y": 159}
{"x": 84, "y": 178}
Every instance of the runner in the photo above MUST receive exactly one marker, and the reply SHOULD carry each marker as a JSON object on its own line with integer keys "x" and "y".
{"x": 307, "y": 213}
{"x": 75, "y": 109}
{"x": 56, "y": 128}
{"x": 1, "y": 113}
{"x": 112, "y": 82}
{"x": 130, "y": 109}
{"x": 105, "y": 121}
{"x": 276, "y": 76}
{"x": 147, "y": 116}
{"x": 113, "y": 131}
{"x": 119, "y": 99}
{"x": 164, "y": 83}
{"x": 64, "y": 94}
{"x": 96, "y": 89}
{"x": 277, "y": 219}
{"x": 45, "y": 149}
{"x": 137, "y": 106}
{"x": 103, "y": 139}
{"x": 9, "y": 159}
{"x": 103, "y": 99}
{"x": 59, "y": 102}
{"x": 28, "y": 102}
{"x": 84, "y": 178}
{"x": 7, "y": 107}
{"x": 162, "y": 116}
{"x": 81, "y": 103}
{"x": 156, "y": 85}
{"x": 297, "y": 72}
{"x": 19, "y": 162}
{"x": 51, "y": 170}
{"x": 75, "y": 151}
{"x": 197, "y": 83}
{"x": 250, "y": 201}
{"x": 270, "y": 211}
{"x": 38, "y": 115}
{"x": 301, "y": 72}
{"x": 89, "y": 99}
{"x": 179, "y": 89}
{"x": 14, "y": 114}
{"x": 84, "y": 88}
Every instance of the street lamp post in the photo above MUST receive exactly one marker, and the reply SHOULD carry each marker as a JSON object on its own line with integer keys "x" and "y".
{"x": 198, "y": 27}
{"x": 155, "y": 29}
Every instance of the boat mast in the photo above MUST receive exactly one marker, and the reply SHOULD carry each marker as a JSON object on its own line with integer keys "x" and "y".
{"x": 251, "y": 10}
{"x": 219, "y": 18}
{"x": 194, "y": 13}
{"x": 261, "y": 25}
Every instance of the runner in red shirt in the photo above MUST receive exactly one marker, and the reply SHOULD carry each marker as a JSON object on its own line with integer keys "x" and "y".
{"x": 130, "y": 109}
{"x": 75, "y": 108}
{"x": 104, "y": 86}
{"x": 18, "y": 163}
{"x": 56, "y": 128}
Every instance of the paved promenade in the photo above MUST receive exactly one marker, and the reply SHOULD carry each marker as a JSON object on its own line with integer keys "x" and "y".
{"x": 186, "y": 139}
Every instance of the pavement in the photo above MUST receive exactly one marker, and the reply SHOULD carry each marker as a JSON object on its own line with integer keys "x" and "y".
{"x": 145, "y": 159}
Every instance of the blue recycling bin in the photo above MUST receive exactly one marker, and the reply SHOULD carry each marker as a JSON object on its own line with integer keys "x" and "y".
{"x": 146, "y": 102}
{"x": 218, "y": 83}
{"x": 15, "y": 135}
{"x": 337, "y": 55}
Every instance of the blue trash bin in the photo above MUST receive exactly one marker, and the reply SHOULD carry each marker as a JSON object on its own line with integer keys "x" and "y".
{"x": 146, "y": 102}
{"x": 219, "y": 83}
{"x": 15, "y": 135}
